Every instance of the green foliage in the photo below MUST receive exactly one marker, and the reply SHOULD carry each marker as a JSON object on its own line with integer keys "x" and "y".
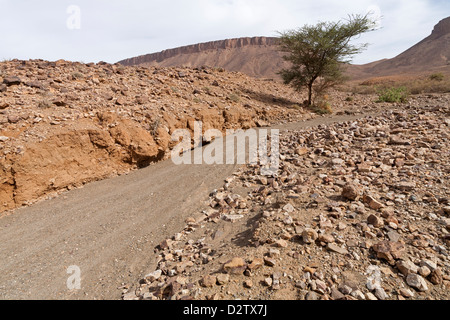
{"x": 317, "y": 52}
{"x": 392, "y": 95}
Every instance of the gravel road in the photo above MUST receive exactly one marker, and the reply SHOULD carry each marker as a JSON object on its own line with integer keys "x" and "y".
{"x": 108, "y": 229}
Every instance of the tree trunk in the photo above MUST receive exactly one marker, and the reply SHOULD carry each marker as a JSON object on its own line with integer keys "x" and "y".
{"x": 310, "y": 94}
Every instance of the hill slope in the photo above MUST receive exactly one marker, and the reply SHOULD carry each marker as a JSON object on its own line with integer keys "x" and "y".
{"x": 430, "y": 54}
{"x": 259, "y": 57}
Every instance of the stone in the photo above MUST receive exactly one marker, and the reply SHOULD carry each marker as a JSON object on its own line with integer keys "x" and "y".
{"x": 364, "y": 168}
{"x": 429, "y": 264}
{"x": 274, "y": 253}
{"x": 417, "y": 282}
{"x": 3, "y": 88}
{"x": 407, "y": 267}
{"x": 236, "y": 266}
{"x": 376, "y": 221}
{"x": 309, "y": 236}
{"x": 381, "y": 294}
{"x": 166, "y": 244}
{"x": 281, "y": 243}
{"x": 268, "y": 282}
{"x": 424, "y": 271}
{"x": 269, "y": 262}
{"x": 335, "y": 248}
{"x": 301, "y": 151}
{"x": 336, "y": 294}
{"x": 398, "y": 141}
{"x": 312, "y": 296}
{"x": 130, "y": 296}
{"x": 35, "y": 84}
{"x": 344, "y": 289}
{"x": 12, "y": 81}
{"x": 371, "y": 297}
{"x": 350, "y": 192}
{"x": 390, "y": 251}
{"x": 393, "y": 236}
{"x": 406, "y": 293}
{"x": 358, "y": 295}
{"x": 256, "y": 264}
{"x": 405, "y": 186}
{"x": 248, "y": 284}
{"x": 13, "y": 119}
{"x": 289, "y": 208}
{"x": 326, "y": 238}
{"x": 208, "y": 281}
{"x": 372, "y": 202}
{"x": 151, "y": 277}
{"x": 223, "y": 279}
{"x": 232, "y": 217}
{"x": 436, "y": 277}
{"x": 3, "y": 138}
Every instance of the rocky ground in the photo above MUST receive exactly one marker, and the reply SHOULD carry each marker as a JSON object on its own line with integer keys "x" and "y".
{"x": 359, "y": 211}
{"x": 63, "y": 124}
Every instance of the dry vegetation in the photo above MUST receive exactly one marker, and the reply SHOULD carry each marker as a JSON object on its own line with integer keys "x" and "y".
{"x": 428, "y": 83}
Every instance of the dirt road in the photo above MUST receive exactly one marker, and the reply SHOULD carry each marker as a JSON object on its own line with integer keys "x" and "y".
{"x": 108, "y": 229}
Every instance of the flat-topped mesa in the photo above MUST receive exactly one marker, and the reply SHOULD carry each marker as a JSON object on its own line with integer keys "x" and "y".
{"x": 200, "y": 47}
{"x": 441, "y": 29}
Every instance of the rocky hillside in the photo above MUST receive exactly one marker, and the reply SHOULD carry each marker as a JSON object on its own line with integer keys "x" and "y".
{"x": 64, "y": 124}
{"x": 259, "y": 57}
{"x": 256, "y": 57}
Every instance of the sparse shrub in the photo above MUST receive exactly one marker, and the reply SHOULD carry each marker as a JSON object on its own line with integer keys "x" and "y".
{"x": 44, "y": 104}
{"x": 392, "y": 95}
{"x": 207, "y": 90}
{"x": 322, "y": 106}
{"x": 154, "y": 126}
{"x": 437, "y": 77}
{"x": 234, "y": 97}
{"x": 77, "y": 76}
{"x": 349, "y": 99}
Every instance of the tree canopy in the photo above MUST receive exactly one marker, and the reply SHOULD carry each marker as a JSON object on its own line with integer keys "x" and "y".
{"x": 317, "y": 52}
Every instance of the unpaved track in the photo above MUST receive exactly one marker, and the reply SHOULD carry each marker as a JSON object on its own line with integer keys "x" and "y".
{"x": 108, "y": 229}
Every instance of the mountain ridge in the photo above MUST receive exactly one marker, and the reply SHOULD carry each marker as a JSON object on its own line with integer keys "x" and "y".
{"x": 259, "y": 57}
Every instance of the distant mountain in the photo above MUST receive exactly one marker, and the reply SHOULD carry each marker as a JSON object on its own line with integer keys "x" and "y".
{"x": 259, "y": 57}
{"x": 256, "y": 57}
{"x": 432, "y": 54}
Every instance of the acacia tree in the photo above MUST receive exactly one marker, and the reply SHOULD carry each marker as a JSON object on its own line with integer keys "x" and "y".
{"x": 318, "y": 52}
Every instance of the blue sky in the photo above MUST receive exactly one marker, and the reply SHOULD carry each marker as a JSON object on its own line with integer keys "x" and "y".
{"x": 111, "y": 30}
